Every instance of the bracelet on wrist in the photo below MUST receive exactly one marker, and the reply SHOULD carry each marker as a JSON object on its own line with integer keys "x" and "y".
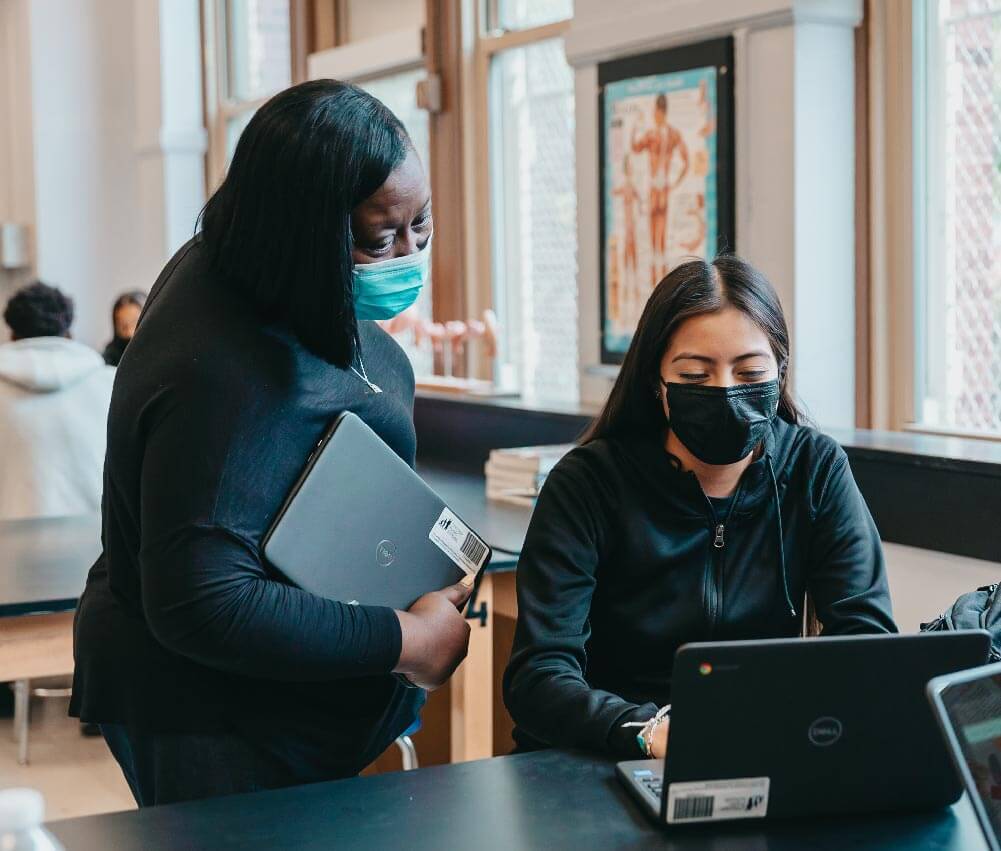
{"x": 644, "y": 738}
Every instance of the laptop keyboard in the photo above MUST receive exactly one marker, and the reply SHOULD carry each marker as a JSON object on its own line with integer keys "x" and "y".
{"x": 651, "y": 782}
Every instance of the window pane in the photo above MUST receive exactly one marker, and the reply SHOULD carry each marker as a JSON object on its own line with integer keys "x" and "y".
{"x": 260, "y": 48}
{"x": 535, "y": 218}
{"x": 234, "y": 127}
{"x": 523, "y": 14}
{"x": 959, "y": 330}
{"x": 399, "y": 93}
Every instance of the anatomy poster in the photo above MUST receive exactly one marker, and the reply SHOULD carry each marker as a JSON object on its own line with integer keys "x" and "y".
{"x": 659, "y": 189}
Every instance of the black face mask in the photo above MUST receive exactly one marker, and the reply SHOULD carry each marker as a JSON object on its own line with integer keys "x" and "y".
{"x": 721, "y": 425}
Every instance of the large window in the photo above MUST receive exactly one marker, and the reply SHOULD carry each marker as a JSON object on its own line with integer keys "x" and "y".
{"x": 498, "y": 107}
{"x": 958, "y": 234}
{"x": 248, "y": 51}
{"x": 380, "y": 48}
{"x": 533, "y": 201}
{"x": 399, "y": 92}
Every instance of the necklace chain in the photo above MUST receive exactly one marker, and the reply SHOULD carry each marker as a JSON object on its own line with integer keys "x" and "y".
{"x": 363, "y": 375}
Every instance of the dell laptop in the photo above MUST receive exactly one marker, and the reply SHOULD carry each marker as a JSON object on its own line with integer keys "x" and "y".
{"x": 797, "y": 727}
{"x": 967, "y": 706}
{"x": 361, "y": 526}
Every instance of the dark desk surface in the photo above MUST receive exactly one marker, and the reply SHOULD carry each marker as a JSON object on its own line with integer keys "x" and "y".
{"x": 549, "y": 800}
{"x": 44, "y": 562}
{"x": 501, "y": 526}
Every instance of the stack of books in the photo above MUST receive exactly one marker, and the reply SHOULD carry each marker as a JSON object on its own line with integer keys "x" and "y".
{"x": 516, "y": 476}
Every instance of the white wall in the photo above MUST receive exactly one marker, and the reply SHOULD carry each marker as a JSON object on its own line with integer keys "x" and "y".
{"x": 87, "y": 210}
{"x": 112, "y": 179}
{"x": 170, "y": 136}
{"x": 17, "y": 187}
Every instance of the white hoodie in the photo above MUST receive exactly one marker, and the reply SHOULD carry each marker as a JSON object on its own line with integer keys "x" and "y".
{"x": 54, "y": 398}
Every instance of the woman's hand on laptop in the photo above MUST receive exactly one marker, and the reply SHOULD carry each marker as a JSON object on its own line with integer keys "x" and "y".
{"x": 435, "y": 636}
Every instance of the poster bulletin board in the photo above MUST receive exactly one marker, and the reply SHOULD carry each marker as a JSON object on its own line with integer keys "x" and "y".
{"x": 666, "y": 175}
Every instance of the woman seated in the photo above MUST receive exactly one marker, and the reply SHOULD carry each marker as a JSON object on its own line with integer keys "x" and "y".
{"x": 698, "y": 508}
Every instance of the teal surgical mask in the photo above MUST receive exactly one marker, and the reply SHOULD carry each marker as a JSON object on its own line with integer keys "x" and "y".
{"x": 387, "y": 288}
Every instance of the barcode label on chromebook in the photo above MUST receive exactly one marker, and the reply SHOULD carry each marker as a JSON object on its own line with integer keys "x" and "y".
{"x": 697, "y": 806}
{"x": 458, "y": 542}
{"x": 717, "y": 800}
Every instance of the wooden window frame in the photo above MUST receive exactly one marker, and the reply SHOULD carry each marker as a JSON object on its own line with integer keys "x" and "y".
{"x": 490, "y": 41}
{"x": 220, "y": 108}
{"x": 890, "y": 224}
{"x": 889, "y": 239}
{"x": 459, "y": 47}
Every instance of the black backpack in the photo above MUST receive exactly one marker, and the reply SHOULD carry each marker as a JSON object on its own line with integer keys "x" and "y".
{"x": 980, "y": 609}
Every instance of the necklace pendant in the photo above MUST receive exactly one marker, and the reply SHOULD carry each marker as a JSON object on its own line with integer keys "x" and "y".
{"x": 363, "y": 375}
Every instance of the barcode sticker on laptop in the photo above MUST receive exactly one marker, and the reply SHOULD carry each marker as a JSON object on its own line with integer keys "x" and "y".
{"x": 717, "y": 800}
{"x": 458, "y": 542}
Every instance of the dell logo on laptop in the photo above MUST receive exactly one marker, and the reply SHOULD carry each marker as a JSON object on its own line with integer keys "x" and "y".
{"x": 385, "y": 553}
{"x": 825, "y": 731}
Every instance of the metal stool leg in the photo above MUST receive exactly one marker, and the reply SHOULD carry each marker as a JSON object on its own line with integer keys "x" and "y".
{"x": 22, "y": 694}
{"x": 13, "y": 729}
{"x": 408, "y": 752}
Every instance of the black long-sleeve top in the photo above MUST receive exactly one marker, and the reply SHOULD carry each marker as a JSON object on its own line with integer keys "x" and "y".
{"x": 182, "y": 624}
{"x": 619, "y": 569}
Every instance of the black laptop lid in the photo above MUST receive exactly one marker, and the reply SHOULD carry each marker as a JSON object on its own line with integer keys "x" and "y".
{"x": 360, "y": 526}
{"x": 834, "y": 724}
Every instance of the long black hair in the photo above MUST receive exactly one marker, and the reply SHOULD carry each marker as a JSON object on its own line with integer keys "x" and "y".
{"x": 279, "y": 227}
{"x": 633, "y": 409}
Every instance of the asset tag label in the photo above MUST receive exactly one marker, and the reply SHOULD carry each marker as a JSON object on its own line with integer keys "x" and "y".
{"x": 717, "y": 800}
{"x": 458, "y": 542}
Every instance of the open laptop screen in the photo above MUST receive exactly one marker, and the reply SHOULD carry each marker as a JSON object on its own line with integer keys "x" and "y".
{"x": 974, "y": 708}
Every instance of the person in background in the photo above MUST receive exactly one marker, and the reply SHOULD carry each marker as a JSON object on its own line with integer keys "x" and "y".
{"x": 54, "y": 398}
{"x": 699, "y": 508}
{"x": 124, "y": 316}
{"x": 207, "y": 672}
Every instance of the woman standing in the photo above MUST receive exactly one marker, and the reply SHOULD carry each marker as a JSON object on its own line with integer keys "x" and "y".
{"x": 207, "y": 674}
{"x": 698, "y": 509}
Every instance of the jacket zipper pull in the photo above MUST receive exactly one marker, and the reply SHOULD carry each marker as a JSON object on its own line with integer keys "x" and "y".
{"x": 718, "y": 543}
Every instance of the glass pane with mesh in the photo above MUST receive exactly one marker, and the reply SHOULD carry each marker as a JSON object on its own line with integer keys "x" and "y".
{"x": 523, "y": 14}
{"x": 535, "y": 218}
{"x": 959, "y": 264}
{"x": 399, "y": 93}
{"x": 259, "y": 45}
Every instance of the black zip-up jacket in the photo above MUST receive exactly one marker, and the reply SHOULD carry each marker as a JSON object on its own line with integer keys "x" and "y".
{"x": 626, "y": 560}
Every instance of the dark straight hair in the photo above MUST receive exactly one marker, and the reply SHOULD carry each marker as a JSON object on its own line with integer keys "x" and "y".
{"x": 633, "y": 409}
{"x": 279, "y": 227}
